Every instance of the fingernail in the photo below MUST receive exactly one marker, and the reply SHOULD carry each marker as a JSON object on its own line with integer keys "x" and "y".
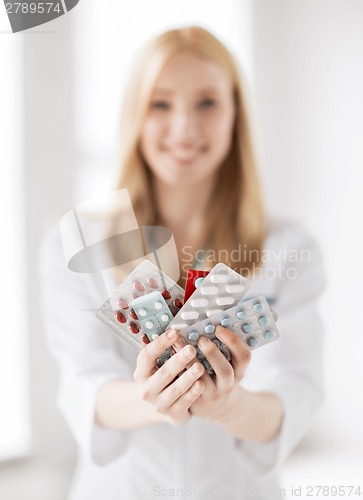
{"x": 187, "y": 351}
{"x": 203, "y": 341}
{"x": 171, "y": 334}
{"x": 220, "y": 329}
{"x": 197, "y": 368}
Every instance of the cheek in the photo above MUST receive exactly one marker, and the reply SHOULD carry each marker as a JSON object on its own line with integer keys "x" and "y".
{"x": 151, "y": 133}
{"x": 220, "y": 129}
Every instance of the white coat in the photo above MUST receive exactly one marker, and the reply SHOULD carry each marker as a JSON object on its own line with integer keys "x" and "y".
{"x": 200, "y": 459}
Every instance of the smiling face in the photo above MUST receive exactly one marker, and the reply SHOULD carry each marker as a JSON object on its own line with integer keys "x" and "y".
{"x": 188, "y": 127}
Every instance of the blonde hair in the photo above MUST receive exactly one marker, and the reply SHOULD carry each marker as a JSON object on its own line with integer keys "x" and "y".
{"x": 237, "y": 215}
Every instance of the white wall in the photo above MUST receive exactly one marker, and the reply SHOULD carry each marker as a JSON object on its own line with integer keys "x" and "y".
{"x": 309, "y": 80}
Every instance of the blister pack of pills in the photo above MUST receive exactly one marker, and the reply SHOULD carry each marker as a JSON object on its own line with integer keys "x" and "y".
{"x": 119, "y": 310}
{"x": 195, "y": 278}
{"x": 220, "y": 290}
{"x": 252, "y": 320}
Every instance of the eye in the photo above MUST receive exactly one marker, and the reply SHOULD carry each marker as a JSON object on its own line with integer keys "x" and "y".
{"x": 159, "y": 104}
{"x": 207, "y": 103}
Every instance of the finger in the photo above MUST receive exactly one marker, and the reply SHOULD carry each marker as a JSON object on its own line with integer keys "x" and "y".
{"x": 145, "y": 365}
{"x": 186, "y": 400}
{"x": 241, "y": 354}
{"x": 222, "y": 368}
{"x": 168, "y": 372}
{"x": 179, "y": 387}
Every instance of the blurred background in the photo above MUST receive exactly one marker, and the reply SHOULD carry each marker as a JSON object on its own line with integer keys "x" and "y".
{"x": 61, "y": 90}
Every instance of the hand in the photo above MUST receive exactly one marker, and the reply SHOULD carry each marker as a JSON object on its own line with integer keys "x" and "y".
{"x": 222, "y": 390}
{"x": 171, "y": 395}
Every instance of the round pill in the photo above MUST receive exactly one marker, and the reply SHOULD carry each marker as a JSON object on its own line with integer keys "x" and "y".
{"x": 139, "y": 287}
{"x": 122, "y": 303}
{"x": 134, "y": 328}
{"x": 193, "y": 336}
{"x": 133, "y": 314}
{"x": 154, "y": 336}
{"x": 178, "y": 303}
{"x": 158, "y": 305}
{"x": 166, "y": 294}
{"x": 247, "y": 327}
{"x": 120, "y": 317}
{"x": 164, "y": 318}
{"x": 263, "y": 321}
{"x": 269, "y": 334}
{"x": 153, "y": 283}
{"x": 209, "y": 329}
{"x": 142, "y": 312}
{"x": 258, "y": 307}
{"x": 241, "y": 314}
{"x": 149, "y": 324}
{"x": 252, "y": 341}
{"x": 226, "y": 322}
{"x": 198, "y": 281}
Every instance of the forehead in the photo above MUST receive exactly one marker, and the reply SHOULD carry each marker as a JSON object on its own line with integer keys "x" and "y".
{"x": 189, "y": 71}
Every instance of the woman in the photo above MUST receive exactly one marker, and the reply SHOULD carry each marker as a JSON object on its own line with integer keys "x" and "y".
{"x": 188, "y": 163}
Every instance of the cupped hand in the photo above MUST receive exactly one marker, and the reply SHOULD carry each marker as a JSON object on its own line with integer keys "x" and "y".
{"x": 174, "y": 387}
{"x": 221, "y": 389}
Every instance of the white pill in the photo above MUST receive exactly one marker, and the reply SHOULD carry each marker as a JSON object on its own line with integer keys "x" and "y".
{"x": 211, "y": 312}
{"x": 164, "y": 318}
{"x": 154, "y": 336}
{"x": 219, "y": 278}
{"x": 190, "y": 315}
{"x": 158, "y": 305}
{"x": 149, "y": 324}
{"x": 199, "y": 302}
{"x": 180, "y": 326}
{"x": 235, "y": 288}
{"x": 142, "y": 312}
{"x": 223, "y": 301}
{"x": 209, "y": 290}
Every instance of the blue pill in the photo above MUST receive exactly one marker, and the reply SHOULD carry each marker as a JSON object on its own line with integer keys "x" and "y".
{"x": 258, "y": 307}
{"x": 198, "y": 282}
{"x": 241, "y": 314}
{"x": 193, "y": 336}
{"x": 209, "y": 329}
{"x": 247, "y": 327}
{"x": 226, "y": 322}
{"x": 252, "y": 341}
{"x": 263, "y": 321}
{"x": 269, "y": 334}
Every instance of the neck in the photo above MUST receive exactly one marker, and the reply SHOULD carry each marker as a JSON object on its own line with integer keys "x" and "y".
{"x": 183, "y": 209}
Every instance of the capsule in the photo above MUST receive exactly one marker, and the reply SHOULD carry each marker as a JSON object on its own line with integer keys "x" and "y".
{"x": 153, "y": 283}
{"x": 166, "y": 294}
{"x": 178, "y": 303}
{"x": 139, "y": 287}
{"x": 120, "y": 317}
{"x": 134, "y": 328}
{"x": 122, "y": 303}
{"x": 133, "y": 314}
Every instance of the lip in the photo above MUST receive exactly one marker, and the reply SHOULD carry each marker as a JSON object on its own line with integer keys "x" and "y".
{"x": 184, "y": 157}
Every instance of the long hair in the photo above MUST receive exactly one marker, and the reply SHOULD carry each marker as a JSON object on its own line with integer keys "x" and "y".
{"x": 236, "y": 218}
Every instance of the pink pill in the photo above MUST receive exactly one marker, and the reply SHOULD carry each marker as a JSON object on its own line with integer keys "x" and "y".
{"x": 120, "y": 317}
{"x": 133, "y": 327}
{"x": 139, "y": 287}
{"x": 153, "y": 283}
{"x": 133, "y": 314}
{"x": 166, "y": 294}
{"x": 122, "y": 303}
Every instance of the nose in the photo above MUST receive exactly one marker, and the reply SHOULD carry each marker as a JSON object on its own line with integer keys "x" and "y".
{"x": 184, "y": 128}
